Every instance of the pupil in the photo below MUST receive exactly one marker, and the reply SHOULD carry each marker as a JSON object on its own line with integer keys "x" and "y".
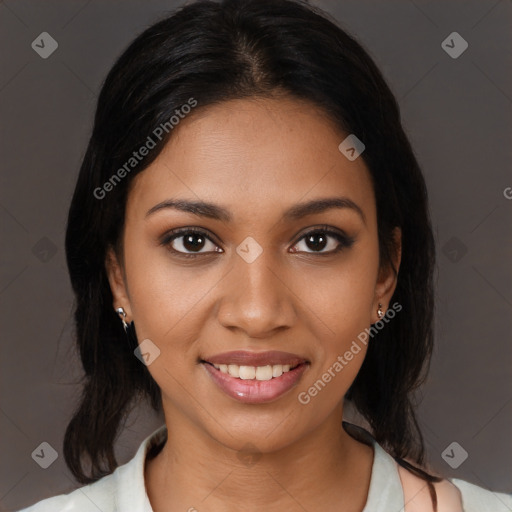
{"x": 312, "y": 241}
{"x": 190, "y": 244}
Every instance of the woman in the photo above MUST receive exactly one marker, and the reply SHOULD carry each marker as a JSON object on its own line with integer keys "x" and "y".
{"x": 250, "y": 248}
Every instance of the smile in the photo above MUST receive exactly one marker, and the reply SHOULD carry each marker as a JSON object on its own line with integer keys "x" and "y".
{"x": 271, "y": 374}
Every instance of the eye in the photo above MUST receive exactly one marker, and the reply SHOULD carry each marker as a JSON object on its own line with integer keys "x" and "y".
{"x": 323, "y": 238}
{"x": 193, "y": 242}
{"x": 189, "y": 242}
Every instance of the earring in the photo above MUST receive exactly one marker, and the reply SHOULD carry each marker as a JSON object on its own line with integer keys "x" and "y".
{"x": 380, "y": 313}
{"x": 122, "y": 314}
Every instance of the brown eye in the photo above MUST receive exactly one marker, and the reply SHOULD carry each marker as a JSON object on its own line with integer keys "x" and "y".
{"x": 190, "y": 242}
{"x": 316, "y": 241}
{"x": 320, "y": 239}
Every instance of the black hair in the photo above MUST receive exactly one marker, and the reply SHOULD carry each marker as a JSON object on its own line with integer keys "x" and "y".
{"x": 210, "y": 52}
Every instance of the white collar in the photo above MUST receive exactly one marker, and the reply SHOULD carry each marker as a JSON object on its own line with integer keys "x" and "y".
{"x": 385, "y": 492}
{"x": 130, "y": 489}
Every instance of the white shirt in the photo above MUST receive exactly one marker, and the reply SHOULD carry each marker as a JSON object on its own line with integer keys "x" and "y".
{"x": 124, "y": 489}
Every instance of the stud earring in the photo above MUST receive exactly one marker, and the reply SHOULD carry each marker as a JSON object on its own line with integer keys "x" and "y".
{"x": 122, "y": 314}
{"x": 380, "y": 313}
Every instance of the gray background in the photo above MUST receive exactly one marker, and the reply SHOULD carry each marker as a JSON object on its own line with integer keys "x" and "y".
{"x": 458, "y": 115}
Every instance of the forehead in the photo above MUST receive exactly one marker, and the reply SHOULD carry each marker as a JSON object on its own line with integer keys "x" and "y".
{"x": 253, "y": 154}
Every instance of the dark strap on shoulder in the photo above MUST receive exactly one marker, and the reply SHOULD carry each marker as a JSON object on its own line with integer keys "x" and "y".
{"x": 358, "y": 433}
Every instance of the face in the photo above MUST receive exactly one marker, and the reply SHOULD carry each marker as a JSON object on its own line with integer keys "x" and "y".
{"x": 270, "y": 275}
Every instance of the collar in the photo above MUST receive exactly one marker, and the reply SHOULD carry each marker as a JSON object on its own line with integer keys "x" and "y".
{"x": 385, "y": 491}
{"x": 130, "y": 489}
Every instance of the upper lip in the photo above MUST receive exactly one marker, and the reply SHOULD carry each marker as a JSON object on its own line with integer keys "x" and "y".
{"x": 246, "y": 358}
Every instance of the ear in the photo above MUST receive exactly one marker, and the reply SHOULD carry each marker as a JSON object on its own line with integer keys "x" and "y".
{"x": 117, "y": 281}
{"x": 387, "y": 280}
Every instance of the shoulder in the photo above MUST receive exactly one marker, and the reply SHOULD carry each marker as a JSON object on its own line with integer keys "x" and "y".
{"x": 90, "y": 498}
{"x": 479, "y": 499}
{"x": 124, "y": 489}
{"x": 453, "y": 495}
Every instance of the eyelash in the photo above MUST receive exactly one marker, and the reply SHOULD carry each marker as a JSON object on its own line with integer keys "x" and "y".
{"x": 343, "y": 240}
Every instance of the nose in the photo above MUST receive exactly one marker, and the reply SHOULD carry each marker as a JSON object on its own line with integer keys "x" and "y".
{"x": 256, "y": 298}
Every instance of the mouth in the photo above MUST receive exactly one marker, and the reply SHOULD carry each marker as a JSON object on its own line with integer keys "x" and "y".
{"x": 255, "y": 378}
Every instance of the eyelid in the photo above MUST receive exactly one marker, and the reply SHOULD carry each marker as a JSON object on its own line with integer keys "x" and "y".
{"x": 323, "y": 228}
{"x": 187, "y": 229}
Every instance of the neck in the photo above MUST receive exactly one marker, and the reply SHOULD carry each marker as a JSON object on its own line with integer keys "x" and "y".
{"x": 325, "y": 470}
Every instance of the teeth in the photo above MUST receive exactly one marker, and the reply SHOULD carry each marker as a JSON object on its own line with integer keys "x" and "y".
{"x": 233, "y": 370}
{"x": 247, "y": 372}
{"x": 263, "y": 372}
{"x": 277, "y": 370}
{"x": 253, "y": 372}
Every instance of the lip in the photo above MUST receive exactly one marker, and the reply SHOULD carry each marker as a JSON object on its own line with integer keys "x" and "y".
{"x": 256, "y": 391}
{"x": 246, "y": 358}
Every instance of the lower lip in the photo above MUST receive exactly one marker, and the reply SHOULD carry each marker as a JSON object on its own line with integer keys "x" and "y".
{"x": 254, "y": 391}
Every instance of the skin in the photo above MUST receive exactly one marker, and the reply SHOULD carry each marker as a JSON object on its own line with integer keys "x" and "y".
{"x": 257, "y": 158}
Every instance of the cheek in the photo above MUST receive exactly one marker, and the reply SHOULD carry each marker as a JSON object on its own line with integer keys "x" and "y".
{"x": 166, "y": 304}
{"x": 164, "y": 296}
{"x": 341, "y": 296}
{"x": 342, "y": 299}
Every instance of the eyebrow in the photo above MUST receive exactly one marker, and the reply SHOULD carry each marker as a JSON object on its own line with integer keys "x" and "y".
{"x": 296, "y": 212}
